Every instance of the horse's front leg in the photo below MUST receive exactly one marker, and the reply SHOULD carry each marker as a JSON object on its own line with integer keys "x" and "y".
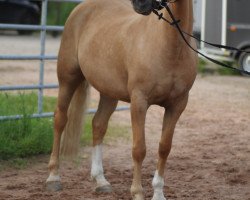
{"x": 171, "y": 116}
{"x": 138, "y": 114}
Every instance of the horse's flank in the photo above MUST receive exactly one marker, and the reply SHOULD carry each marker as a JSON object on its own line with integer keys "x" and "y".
{"x": 115, "y": 45}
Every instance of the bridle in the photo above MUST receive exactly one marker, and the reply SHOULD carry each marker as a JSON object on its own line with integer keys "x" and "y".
{"x": 160, "y": 4}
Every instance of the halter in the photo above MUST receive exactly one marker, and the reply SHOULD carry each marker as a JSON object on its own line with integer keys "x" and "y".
{"x": 160, "y": 4}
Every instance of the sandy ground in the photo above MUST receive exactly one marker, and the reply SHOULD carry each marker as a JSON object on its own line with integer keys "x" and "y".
{"x": 210, "y": 157}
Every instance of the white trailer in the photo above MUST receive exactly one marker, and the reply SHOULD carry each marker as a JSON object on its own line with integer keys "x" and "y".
{"x": 225, "y": 22}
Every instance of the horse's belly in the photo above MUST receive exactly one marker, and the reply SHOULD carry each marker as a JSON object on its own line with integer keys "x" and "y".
{"x": 107, "y": 82}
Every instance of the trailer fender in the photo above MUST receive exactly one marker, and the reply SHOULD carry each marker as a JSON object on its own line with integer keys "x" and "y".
{"x": 242, "y": 46}
{"x": 244, "y": 60}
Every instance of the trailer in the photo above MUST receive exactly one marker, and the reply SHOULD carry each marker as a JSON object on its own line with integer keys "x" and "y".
{"x": 225, "y": 22}
{"x": 20, "y": 12}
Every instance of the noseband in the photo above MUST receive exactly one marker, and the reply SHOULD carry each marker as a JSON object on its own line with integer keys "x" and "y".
{"x": 160, "y": 4}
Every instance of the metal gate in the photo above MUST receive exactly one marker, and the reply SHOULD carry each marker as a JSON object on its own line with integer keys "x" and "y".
{"x": 42, "y": 57}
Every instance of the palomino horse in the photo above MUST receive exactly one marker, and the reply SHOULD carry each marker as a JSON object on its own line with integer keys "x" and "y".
{"x": 125, "y": 56}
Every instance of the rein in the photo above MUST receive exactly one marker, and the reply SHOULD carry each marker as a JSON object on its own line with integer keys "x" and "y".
{"x": 164, "y": 4}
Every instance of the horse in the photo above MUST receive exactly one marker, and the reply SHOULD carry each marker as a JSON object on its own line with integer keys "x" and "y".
{"x": 122, "y": 50}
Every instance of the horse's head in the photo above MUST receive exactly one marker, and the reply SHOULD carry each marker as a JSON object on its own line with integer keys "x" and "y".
{"x": 143, "y": 7}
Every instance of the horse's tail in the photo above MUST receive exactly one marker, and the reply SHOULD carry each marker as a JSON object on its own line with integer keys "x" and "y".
{"x": 72, "y": 132}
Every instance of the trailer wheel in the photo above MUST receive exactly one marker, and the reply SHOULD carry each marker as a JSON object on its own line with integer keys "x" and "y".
{"x": 244, "y": 61}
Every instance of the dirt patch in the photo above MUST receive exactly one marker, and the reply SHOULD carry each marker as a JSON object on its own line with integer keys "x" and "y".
{"x": 210, "y": 157}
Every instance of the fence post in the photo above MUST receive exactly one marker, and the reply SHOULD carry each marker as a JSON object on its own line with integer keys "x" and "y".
{"x": 43, "y": 28}
{"x": 42, "y": 53}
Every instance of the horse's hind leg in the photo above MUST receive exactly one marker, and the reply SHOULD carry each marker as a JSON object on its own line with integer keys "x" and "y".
{"x": 68, "y": 82}
{"x": 100, "y": 123}
{"x": 171, "y": 116}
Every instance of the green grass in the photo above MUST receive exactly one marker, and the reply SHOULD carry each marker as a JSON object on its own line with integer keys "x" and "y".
{"x": 202, "y": 66}
{"x": 28, "y": 137}
{"x": 24, "y": 137}
{"x": 226, "y": 71}
{"x": 12, "y": 104}
{"x": 208, "y": 68}
{"x": 59, "y": 12}
{"x": 114, "y": 132}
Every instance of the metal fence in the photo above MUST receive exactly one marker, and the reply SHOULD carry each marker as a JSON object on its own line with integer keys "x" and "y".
{"x": 42, "y": 57}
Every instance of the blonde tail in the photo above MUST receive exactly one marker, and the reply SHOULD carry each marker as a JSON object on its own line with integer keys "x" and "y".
{"x": 72, "y": 132}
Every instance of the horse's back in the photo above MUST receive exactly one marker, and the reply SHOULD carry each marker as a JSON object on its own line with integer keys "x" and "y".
{"x": 101, "y": 9}
{"x": 94, "y": 14}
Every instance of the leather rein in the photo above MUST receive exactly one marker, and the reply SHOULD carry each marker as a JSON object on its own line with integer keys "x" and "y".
{"x": 158, "y": 5}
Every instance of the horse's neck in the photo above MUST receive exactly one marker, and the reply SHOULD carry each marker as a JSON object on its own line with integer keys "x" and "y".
{"x": 183, "y": 11}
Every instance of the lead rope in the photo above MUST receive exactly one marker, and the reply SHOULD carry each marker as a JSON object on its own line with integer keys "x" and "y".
{"x": 175, "y": 23}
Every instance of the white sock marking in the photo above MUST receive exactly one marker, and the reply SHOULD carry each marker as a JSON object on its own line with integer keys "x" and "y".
{"x": 97, "y": 168}
{"x": 158, "y": 183}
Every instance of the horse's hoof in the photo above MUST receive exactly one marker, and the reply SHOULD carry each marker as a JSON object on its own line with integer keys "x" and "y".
{"x": 53, "y": 186}
{"x": 158, "y": 197}
{"x": 138, "y": 197}
{"x": 103, "y": 189}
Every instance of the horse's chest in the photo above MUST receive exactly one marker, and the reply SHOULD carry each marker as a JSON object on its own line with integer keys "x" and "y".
{"x": 165, "y": 91}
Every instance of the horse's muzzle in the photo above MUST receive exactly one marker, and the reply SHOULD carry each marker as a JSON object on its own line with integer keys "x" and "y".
{"x": 143, "y": 7}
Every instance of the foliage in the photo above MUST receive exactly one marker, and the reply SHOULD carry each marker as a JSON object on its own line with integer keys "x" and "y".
{"x": 201, "y": 66}
{"x": 24, "y": 137}
{"x": 114, "y": 132}
{"x": 227, "y": 71}
{"x": 59, "y": 12}
{"x": 209, "y": 68}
